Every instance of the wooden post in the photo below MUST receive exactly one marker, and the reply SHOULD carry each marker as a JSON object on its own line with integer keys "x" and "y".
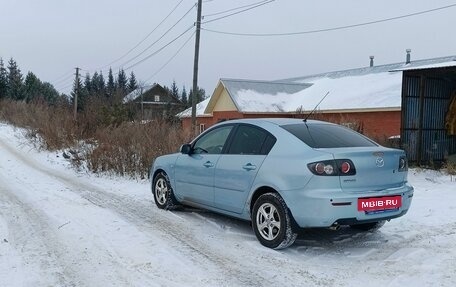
{"x": 195, "y": 66}
{"x": 76, "y": 92}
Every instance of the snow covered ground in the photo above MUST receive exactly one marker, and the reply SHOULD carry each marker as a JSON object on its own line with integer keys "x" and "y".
{"x": 59, "y": 227}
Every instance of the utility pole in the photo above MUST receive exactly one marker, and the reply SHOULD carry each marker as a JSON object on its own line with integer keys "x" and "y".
{"x": 142, "y": 104}
{"x": 195, "y": 66}
{"x": 76, "y": 92}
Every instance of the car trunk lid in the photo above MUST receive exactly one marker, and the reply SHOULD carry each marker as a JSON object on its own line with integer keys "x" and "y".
{"x": 377, "y": 168}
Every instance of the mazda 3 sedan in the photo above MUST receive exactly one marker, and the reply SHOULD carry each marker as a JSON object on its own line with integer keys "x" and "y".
{"x": 284, "y": 175}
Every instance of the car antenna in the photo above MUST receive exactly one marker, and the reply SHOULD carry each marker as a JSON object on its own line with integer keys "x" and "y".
{"x": 305, "y": 120}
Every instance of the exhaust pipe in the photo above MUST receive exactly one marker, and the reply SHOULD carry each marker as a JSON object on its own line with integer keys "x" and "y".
{"x": 335, "y": 226}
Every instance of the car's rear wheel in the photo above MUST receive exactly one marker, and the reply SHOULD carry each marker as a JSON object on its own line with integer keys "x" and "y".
{"x": 163, "y": 193}
{"x": 272, "y": 223}
{"x": 372, "y": 226}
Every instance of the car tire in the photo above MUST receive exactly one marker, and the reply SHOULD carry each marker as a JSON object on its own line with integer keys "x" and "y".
{"x": 272, "y": 222}
{"x": 372, "y": 226}
{"x": 163, "y": 192}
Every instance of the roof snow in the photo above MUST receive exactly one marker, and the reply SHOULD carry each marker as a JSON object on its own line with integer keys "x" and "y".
{"x": 133, "y": 95}
{"x": 372, "y": 91}
{"x": 367, "y": 88}
{"x": 200, "y": 107}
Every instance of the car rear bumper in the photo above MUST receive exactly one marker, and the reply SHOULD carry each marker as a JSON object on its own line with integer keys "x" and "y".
{"x": 323, "y": 208}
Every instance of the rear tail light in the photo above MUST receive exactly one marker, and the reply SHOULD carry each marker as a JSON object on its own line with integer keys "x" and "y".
{"x": 403, "y": 165}
{"x": 341, "y": 167}
{"x": 345, "y": 167}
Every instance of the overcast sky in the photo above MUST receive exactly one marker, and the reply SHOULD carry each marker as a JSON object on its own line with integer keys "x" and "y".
{"x": 52, "y": 37}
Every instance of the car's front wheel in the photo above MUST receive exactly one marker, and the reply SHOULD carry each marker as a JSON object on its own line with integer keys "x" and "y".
{"x": 272, "y": 223}
{"x": 163, "y": 193}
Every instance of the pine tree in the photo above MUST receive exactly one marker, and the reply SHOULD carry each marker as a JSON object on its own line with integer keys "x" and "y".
{"x": 98, "y": 84}
{"x": 15, "y": 89}
{"x": 111, "y": 86}
{"x": 122, "y": 82}
{"x": 184, "y": 97}
{"x": 82, "y": 96}
{"x": 101, "y": 84}
{"x": 3, "y": 80}
{"x": 175, "y": 90}
{"x": 200, "y": 96}
{"x": 32, "y": 87}
{"x": 87, "y": 84}
{"x": 132, "y": 83}
{"x": 49, "y": 93}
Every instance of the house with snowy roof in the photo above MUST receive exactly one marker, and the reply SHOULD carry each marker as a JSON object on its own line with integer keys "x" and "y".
{"x": 154, "y": 101}
{"x": 387, "y": 101}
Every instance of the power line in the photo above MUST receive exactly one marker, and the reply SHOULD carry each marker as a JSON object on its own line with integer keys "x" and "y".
{"x": 63, "y": 80}
{"x": 64, "y": 88}
{"x": 161, "y": 37}
{"x": 329, "y": 29}
{"x": 159, "y": 50}
{"x": 232, "y": 9}
{"x": 172, "y": 57}
{"x": 63, "y": 75}
{"x": 145, "y": 38}
{"x": 238, "y": 12}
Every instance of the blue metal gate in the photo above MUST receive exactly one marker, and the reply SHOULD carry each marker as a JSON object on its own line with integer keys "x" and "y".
{"x": 426, "y": 96}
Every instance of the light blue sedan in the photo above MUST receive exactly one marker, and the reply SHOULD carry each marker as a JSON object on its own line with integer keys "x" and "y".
{"x": 284, "y": 175}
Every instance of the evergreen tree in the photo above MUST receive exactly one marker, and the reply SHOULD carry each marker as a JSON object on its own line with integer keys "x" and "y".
{"x": 32, "y": 87}
{"x": 132, "y": 83}
{"x": 3, "y": 80}
{"x": 49, "y": 93}
{"x": 82, "y": 96}
{"x": 200, "y": 96}
{"x": 122, "y": 82}
{"x": 87, "y": 84}
{"x": 100, "y": 84}
{"x": 175, "y": 90}
{"x": 184, "y": 97}
{"x": 15, "y": 89}
{"x": 111, "y": 86}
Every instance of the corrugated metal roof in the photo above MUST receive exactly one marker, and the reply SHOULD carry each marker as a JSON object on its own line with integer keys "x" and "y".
{"x": 372, "y": 70}
{"x": 367, "y": 88}
{"x": 448, "y": 64}
{"x": 263, "y": 87}
{"x": 349, "y": 93}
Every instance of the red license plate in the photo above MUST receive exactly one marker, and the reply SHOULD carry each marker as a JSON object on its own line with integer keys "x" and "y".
{"x": 379, "y": 203}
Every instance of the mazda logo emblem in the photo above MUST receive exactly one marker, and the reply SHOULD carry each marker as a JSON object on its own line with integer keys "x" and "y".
{"x": 379, "y": 162}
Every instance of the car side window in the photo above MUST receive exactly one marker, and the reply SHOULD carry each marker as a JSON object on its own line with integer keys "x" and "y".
{"x": 213, "y": 141}
{"x": 251, "y": 140}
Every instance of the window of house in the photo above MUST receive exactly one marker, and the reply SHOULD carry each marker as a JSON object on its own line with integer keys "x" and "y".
{"x": 157, "y": 98}
{"x": 202, "y": 127}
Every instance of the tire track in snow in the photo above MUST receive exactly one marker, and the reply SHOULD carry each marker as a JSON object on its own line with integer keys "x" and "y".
{"x": 31, "y": 235}
{"x": 249, "y": 270}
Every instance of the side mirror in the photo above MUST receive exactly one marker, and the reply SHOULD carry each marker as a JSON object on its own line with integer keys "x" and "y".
{"x": 186, "y": 149}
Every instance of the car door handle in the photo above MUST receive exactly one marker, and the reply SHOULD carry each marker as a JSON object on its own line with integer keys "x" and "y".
{"x": 249, "y": 166}
{"x": 208, "y": 164}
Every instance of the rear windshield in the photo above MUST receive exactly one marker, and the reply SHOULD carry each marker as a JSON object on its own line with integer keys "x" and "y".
{"x": 328, "y": 136}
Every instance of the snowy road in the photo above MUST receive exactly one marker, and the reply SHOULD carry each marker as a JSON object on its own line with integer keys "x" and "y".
{"x": 59, "y": 227}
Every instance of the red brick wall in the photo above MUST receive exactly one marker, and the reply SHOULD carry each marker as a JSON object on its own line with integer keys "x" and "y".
{"x": 377, "y": 125}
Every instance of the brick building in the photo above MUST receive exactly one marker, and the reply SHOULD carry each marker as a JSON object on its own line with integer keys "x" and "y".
{"x": 366, "y": 99}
